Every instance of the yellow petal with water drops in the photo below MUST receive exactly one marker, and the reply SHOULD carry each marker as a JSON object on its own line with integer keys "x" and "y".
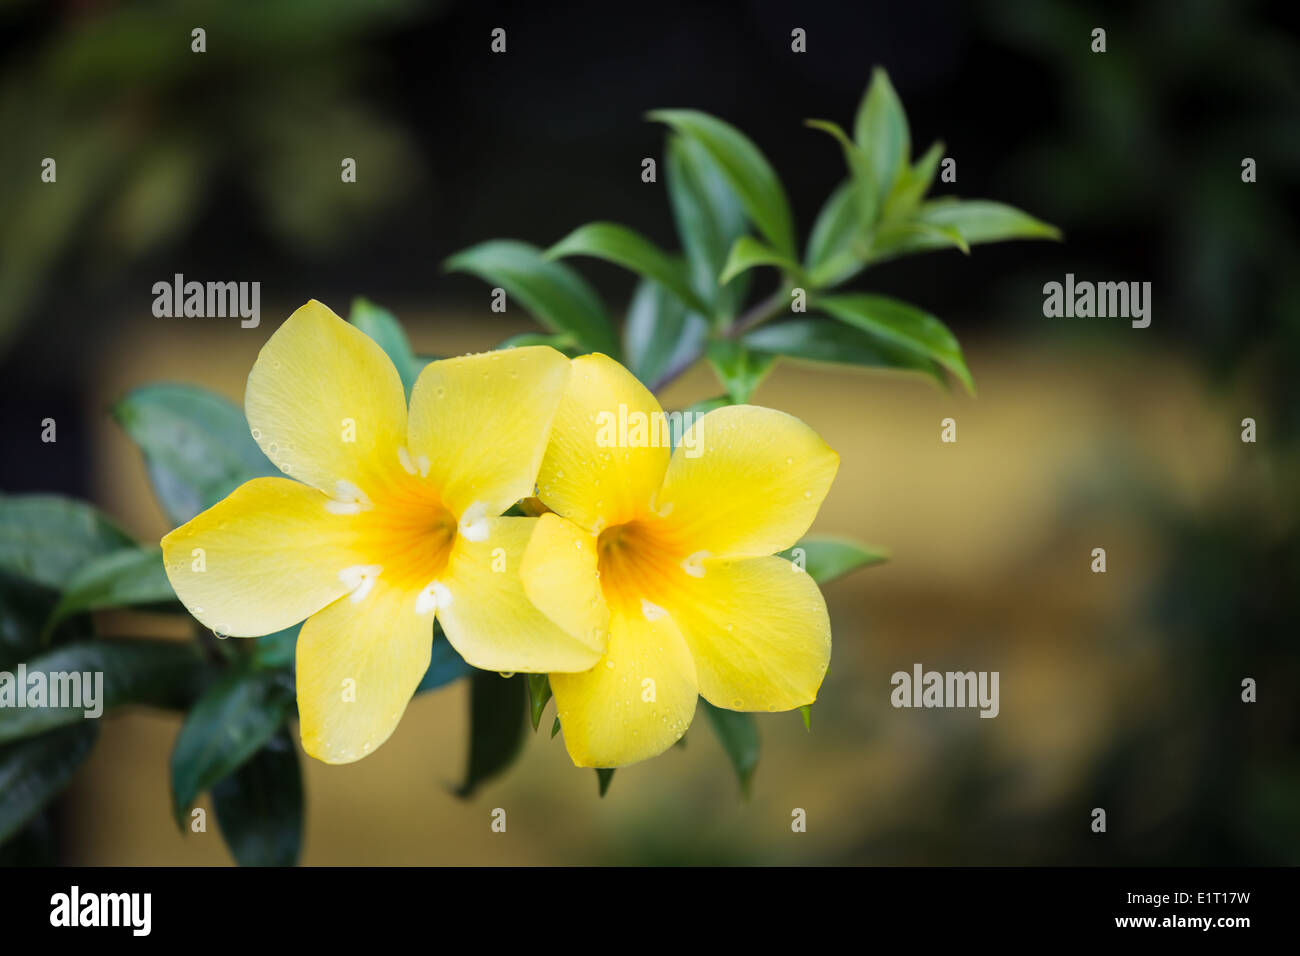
{"x": 609, "y": 447}
{"x": 746, "y": 481}
{"x": 479, "y": 425}
{"x": 560, "y": 577}
{"x": 758, "y": 630}
{"x": 359, "y": 663}
{"x": 263, "y": 558}
{"x": 638, "y": 701}
{"x": 326, "y": 405}
{"x": 488, "y": 618}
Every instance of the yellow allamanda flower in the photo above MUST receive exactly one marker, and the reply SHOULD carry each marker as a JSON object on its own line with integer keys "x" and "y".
{"x": 394, "y": 519}
{"x": 673, "y": 557}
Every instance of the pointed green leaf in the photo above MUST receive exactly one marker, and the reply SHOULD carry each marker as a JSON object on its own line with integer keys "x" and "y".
{"x": 233, "y": 720}
{"x": 604, "y": 776}
{"x": 382, "y": 326}
{"x": 153, "y": 673}
{"x": 899, "y": 324}
{"x": 555, "y": 728}
{"x": 539, "y": 692}
{"x": 913, "y": 184}
{"x": 738, "y": 734}
{"x": 880, "y": 129}
{"x": 709, "y": 217}
{"x": 259, "y": 806}
{"x": 35, "y": 770}
{"x": 825, "y": 340}
{"x": 835, "y": 247}
{"x": 660, "y": 332}
{"x": 554, "y": 294}
{"x": 866, "y": 193}
{"x": 132, "y": 576}
{"x": 624, "y": 247}
{"x": 826, "y": 558}
{"x": 497, "y": 714}
{"x": 748, "y": 253}
{"x": 746, "y": 169}
{"x": 47, "y": 539}
{"x": 196, "y": 444}
{"x": 806, "y": 713}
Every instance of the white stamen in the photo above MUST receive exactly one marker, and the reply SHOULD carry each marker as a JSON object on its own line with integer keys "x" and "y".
{"x": 423, "y": 462}
{"x": 652, "y": 612}
{"x": 348, "y": 499}
{"x": 360, "y": 578}
{"x": 404, "y": 456}
{"x": 694, "y": 565}
{"x": 434, "y": 596}
{"x": 474, "y": 523}
{"x": 663, "y": 512}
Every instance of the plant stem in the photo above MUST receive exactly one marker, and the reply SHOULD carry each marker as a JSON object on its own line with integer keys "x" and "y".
{"x": 756, "y": 314}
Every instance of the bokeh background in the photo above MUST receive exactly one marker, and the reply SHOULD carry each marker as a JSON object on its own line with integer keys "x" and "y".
{"x": 1119, "y": 691}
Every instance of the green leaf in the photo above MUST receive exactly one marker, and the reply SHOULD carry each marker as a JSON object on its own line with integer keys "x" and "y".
{"x": 34, "y": 771}
{"x": 445, "y": 665}
{"x": 748, "y": 253}
{"x": 259, "y": 807}
{"x": 497, "y": 714}
{"x": 132, "y": 576}
{"x": 914, "y": 183}
{"x": 539, "y": 692}
{"x": 660, "y": 332}
{"x": 555, "y": 728}
{"x": 277, "y": 650}
{"x": 738, "y": 369}
{"x": 899, "y": 324}
{"x": 621, "y": 246}
{"x": 24, "y": 609}
{"x": 975, "y": 220}
{"x": 709, "y": 217}
{"x": 738, "y": 733}
{"x": 880, "y": 129}
{"x": 825, "y": 558}
{"x": 197, "y": 446}
{"x": 806, "y": 713}
{"x": 835, "y": 250}
{"x": 558, "y": 297}
{"x": 233, "y": 719}
{"x": 382, "y": 326}
{"x": 900, "y": 238}
{"x": 866, "y": 193}
{"x": 825, "y": 340}
{"x": 154, "y": 673}
{"x": 47, "y": 539}
{"x": 745, "y": 168}
{"x": 604, "y": 777}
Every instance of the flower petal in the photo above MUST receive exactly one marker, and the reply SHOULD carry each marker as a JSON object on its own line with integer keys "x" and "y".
{"x": 359, "y": 662}
{"x": 261, "y": 559}
{"x": 489, "y": 619}
{"x": 325, "y": 403}
{"x": 481, "y": 422}
{"x": 637, "y": 702}
{"x": 560, "y": 577}
{"x": 609, "y": 447}
{"x": 746, "y": 481}
{"x": 758, "y": 630}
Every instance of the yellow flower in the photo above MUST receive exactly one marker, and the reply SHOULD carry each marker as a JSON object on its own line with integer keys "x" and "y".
{"x": 674, "y": 558}
{"x": 394, "y": 519}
